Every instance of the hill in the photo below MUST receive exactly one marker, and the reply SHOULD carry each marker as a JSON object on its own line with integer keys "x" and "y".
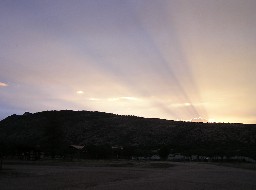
{"x": 53, "y": 131}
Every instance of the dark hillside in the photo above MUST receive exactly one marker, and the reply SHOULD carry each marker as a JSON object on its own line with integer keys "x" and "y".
{"x": 54, "y": 131}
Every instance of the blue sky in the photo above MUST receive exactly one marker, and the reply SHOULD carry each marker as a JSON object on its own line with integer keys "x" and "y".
{"x": 175, "y": 59}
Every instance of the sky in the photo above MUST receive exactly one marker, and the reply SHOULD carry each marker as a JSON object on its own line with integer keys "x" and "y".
{"x": 172, "y": 59}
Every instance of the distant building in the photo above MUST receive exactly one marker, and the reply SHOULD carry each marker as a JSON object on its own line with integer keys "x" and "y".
{"x": 76, "y": 151}
{"x": 77, "y": 147}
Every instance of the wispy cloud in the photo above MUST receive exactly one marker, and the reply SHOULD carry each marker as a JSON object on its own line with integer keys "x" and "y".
{"x": 181, "y": 105}
{"x": 186, "y": 104}
{"x": 3, "y": 84}
{"x": 123, "y": 98}
{"x": 79, "y": 92}
{"x": 94, "y": 99}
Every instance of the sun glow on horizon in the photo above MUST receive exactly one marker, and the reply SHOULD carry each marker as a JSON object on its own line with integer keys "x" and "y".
{"x": 168, "y": 59}
{"x": 212, "y": 120}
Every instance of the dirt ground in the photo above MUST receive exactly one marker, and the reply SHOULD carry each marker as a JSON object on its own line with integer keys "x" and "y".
{"x": 124, "y": 175}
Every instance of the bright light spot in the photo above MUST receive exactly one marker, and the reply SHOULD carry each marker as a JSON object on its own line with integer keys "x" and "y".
{"x": 181, "y": 105}
{"x": 79, "y": 92}
{"x": 94, "y": 99}
{"x": 3, "y": 84}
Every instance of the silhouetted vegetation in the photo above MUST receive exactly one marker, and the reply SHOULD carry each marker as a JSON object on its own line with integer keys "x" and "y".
{"x": 105, "y": 136}
{"x": 164, "y": 151}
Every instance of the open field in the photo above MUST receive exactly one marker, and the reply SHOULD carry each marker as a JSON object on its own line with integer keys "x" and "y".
{"x": 124, "y": 175}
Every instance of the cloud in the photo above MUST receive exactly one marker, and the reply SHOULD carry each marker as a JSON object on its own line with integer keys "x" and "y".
{"x": 122, "y": 98}
{"x": 79, "y": 92}
{"x": 94, "y": 99}
{"x": 181, "y": 105}
{"x": 3, "y": 84}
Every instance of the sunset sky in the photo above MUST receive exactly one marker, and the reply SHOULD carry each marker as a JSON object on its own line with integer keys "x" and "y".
{"x": 173, "y": 59}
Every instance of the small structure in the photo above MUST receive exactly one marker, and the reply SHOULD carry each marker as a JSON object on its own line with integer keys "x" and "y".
{"x": 76, "y": 151}
{"x": 76, "y": 147}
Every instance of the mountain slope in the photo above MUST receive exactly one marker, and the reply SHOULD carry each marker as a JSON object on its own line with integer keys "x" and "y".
{"x": 55, "y": 130}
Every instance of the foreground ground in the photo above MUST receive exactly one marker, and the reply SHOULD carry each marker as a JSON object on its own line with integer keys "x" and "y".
{"x": 124, "y": 175}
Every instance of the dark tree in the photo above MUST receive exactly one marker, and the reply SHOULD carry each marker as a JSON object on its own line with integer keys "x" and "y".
{"x": 1, "y": 162}
{"x": 164, "y": 151}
